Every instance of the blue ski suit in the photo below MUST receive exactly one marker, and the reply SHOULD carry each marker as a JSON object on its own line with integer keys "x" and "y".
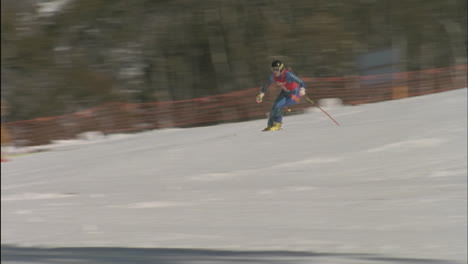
{"x": 290, "y": 85}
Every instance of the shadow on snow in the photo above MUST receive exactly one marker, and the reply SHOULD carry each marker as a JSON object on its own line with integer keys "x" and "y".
{"x": 116, "y": 255}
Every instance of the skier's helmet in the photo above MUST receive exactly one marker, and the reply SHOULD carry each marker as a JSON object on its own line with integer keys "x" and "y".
{"x": 277, "y": 65}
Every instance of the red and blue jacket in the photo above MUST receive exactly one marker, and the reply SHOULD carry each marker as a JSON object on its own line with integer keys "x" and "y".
{"x": 287, "y": 81}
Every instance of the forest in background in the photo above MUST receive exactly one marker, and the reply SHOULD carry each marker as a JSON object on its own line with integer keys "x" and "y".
{"x": 96, "y": 51}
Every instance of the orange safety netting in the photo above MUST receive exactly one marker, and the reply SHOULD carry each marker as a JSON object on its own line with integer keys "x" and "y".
{"x": 229, "y": 107}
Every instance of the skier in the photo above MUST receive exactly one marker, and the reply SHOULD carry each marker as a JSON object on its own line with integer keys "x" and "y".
{"x": 292, "y": 88}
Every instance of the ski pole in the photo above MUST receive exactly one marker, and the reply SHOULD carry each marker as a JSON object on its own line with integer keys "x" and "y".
{"x": 312, "y": 102}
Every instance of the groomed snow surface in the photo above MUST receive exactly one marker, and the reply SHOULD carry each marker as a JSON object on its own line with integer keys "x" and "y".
{"x": 387, "y": 186}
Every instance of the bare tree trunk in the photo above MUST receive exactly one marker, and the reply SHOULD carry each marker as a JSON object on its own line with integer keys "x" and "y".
{"x": 217, "y": 46}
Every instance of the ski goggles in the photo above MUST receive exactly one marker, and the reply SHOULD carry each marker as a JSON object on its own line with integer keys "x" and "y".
{"x": 277, "y": 69}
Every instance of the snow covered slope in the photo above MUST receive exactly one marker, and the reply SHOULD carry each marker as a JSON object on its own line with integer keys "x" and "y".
{"x": 387, "y": 186}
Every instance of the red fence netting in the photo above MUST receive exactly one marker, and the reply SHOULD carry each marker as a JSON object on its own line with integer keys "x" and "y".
{"x": 229, "y": 107}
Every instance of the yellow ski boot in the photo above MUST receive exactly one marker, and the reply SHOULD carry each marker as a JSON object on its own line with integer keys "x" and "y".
{"x": 275, "y": 127}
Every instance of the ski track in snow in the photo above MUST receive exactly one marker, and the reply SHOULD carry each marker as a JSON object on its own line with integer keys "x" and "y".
{"x": 410, "y": 144}
{"x": 35, "y": 196}
{"x": 153, "y": 204}
{"x": 219, "y": 176}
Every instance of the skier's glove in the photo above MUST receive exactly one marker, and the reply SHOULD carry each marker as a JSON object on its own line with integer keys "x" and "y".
{"x": 302, "y": 92}
{"x": 260, "y": 97}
